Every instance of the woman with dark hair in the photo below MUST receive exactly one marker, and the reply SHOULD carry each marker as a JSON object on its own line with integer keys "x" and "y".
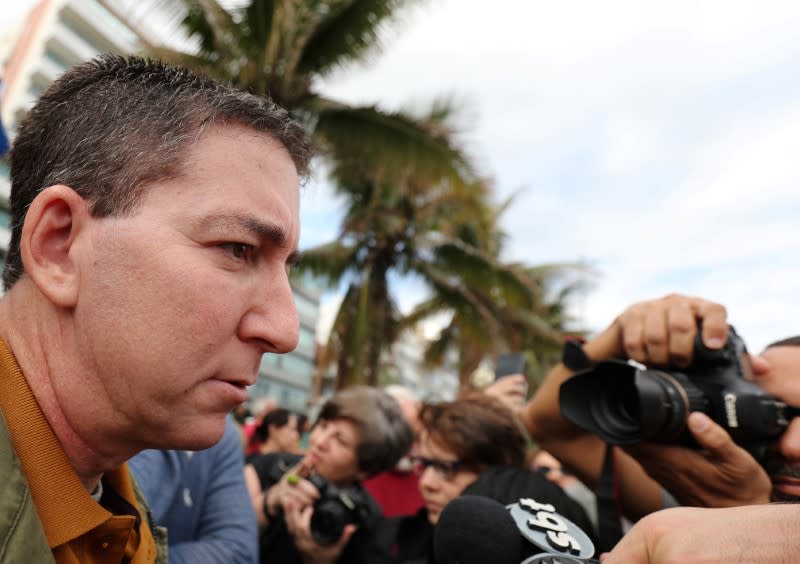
{"x": 474, "y": 446}
{"x": 359, "y": 432}
{"x": 277, "y": 432}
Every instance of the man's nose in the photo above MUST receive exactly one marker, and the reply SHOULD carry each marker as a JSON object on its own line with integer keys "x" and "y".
{"x": 272, "y": 317}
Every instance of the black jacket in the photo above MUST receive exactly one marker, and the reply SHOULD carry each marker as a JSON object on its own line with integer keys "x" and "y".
{"x": 276, "y": 544}
{"x": 409, "y": 540}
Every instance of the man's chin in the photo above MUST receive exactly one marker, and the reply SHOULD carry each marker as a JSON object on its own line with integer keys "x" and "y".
{"x": 199, "y": 436}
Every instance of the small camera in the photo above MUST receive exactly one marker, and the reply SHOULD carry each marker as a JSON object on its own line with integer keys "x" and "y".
{"x": 336, "y": 508}
{"x": 625, "y": 403}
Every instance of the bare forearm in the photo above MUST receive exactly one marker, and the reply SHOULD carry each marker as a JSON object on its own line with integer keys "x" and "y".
{"x": 754, "y": 534}
{"x": 581, "y": 451}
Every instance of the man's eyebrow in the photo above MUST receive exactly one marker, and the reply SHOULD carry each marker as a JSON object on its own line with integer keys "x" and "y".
{"x": 264, "y": 230}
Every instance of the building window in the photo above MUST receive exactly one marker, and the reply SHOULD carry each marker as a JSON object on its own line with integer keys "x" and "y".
{"x": 306, "y": 343}
{"x": 307, "y": 309}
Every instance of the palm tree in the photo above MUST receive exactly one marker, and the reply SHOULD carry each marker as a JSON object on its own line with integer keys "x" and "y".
{"x": 515, "y": 308}
{"x": 417, "y": 225}
{"x": 447, "y": 237}
{"x": 284, "y": 47}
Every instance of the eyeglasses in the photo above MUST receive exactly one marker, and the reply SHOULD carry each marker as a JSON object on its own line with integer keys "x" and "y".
{"x": 445, "y": 469}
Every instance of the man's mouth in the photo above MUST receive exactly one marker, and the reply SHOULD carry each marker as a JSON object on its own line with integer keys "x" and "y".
{"x": 235, "y": 389}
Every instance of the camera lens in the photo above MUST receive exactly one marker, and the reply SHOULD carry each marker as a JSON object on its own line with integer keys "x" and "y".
{"x": 617, "y": 411}
{"x": 328, "y": 521}
{"x": 624, "y": 404}
{"x": 665, "y": 400}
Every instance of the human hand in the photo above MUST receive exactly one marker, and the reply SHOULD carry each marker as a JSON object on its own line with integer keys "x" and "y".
{"x": 298, "y": 523}
{"x": 293, "y": 487}
{"x": 661, "y": 332}
{"x": 721, "y": 474}
{"x": 510, "y": 390}
{"x": 753, "y": 534}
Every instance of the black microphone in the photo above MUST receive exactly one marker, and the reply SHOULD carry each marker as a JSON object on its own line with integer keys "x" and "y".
{"x": 475, "y": 530}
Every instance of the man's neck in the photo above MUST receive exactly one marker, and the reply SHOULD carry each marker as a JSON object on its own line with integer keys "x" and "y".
{"x": 29, "y": 333}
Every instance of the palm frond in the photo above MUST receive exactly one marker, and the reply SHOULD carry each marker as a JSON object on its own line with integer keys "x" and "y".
{"x": 436, "y": 351}
{"x": 349, "y": 32}
{"x": 424, "y": 310}
{"x": 257, "y": 19}
{"x": 388, "y": 146}
{"x": 329, "y": 262}
{"x": 213, "y": 26}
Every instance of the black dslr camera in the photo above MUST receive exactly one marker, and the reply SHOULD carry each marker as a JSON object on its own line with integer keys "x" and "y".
{"x": 625, "y": 403}
{"x": 336, "y": 508}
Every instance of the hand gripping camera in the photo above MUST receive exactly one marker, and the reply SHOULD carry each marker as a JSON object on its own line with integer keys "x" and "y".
{"x": 336, "y": 508}
{"x": 624, "y": 402}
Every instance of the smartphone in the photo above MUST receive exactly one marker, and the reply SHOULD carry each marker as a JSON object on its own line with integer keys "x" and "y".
{"x": 509, "y": 363}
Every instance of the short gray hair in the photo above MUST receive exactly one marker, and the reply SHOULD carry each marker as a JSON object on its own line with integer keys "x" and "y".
{"x": 111, "y": 127}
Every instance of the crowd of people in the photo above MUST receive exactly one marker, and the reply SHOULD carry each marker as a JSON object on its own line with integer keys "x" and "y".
{"x": 148, "y": 273}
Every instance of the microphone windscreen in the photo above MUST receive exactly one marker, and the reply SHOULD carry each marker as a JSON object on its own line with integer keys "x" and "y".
{"x": 476, "y": 530}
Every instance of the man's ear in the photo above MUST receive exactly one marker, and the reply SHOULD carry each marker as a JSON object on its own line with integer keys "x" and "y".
{"x": 52, "y": 225}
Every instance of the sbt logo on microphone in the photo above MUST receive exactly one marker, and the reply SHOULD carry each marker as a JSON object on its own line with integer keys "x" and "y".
{"x": 544, "y": 527}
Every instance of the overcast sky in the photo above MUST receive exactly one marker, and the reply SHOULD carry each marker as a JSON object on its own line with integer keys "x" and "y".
{"x": 655, "y": 140}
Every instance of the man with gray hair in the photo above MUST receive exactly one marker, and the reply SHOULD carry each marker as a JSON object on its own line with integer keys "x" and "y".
{"x": 397, "y": 489}
{"x": 154, "y": 217}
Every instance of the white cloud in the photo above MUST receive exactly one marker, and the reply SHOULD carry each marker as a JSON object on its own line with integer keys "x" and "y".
{"x": 655, "y": 140}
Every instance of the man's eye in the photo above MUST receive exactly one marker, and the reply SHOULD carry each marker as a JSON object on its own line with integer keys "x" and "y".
{"x": 239, "y": 251}
{"x": 292, "y": 263}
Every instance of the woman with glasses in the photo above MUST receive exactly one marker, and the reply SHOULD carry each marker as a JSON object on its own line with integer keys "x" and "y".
{"x": 475, "y": 446}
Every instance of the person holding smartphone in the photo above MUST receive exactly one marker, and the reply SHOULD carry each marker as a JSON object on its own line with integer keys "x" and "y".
{"x": 510, "y": 384}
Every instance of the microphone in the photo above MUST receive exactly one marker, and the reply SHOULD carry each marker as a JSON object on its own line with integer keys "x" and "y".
{"x": 473, "y": 529}
{"x": 476, "y": 530}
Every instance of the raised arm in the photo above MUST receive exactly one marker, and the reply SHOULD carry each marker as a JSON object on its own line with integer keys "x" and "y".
{"x": 655, "y": 332}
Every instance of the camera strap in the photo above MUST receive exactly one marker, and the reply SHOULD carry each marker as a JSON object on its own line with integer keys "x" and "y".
{"x": 609, "y": 530}
{"x": 574, "y": 357}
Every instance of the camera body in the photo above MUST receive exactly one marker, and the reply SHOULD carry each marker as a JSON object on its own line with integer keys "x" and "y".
{"x": 336, "y": 508}
{"x": 624, "y": 402}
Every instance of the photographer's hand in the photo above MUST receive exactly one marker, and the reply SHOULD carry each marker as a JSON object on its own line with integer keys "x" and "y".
{"x": 510, "y": 390}
{"x": 722, "y": 474}
{"x": 661, "y": 332}
{"x": 298, "y": 523}
{"x": 292, "y": 488}
{"x": 655, "y": 332}
{"x": 762, "y": 533}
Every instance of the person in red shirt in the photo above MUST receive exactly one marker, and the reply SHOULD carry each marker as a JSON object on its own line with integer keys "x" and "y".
{"x": 397, "y": 490}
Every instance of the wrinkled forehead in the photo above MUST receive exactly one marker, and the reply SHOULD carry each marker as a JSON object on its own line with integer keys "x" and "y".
{"x": 783, "y": 378}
